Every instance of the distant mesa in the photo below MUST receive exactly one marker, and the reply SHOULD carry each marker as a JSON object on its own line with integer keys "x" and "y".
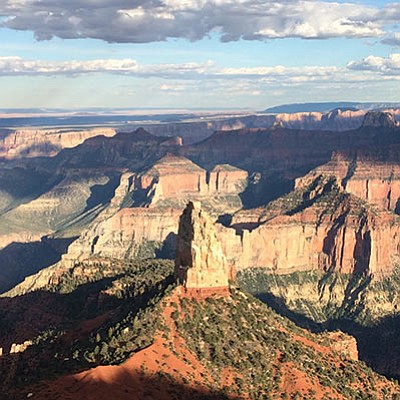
{"x": 200, "y": 264}
{"x": 328, "y": 106}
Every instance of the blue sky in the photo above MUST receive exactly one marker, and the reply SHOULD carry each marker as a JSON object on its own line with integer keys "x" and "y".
{"x": 197, "y": 53}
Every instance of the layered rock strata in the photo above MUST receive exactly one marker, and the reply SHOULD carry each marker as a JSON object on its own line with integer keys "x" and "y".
{"x": 129, "y": 233}
{"x": 37, "y": 142}
{"x": 173, "y": 181}
{"x": 160, "y": 193}
{"x": 319, "y": 228}
{"x": 376, "y": 180}
{"x": 200, "y": 264}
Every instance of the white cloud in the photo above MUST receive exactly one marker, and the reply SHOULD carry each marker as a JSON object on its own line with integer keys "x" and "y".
{"x": 185, "y": 79}
{"x": 19, "y": 66}
{"x": 384, "y": 66}
{"x": 139, "y": 21}
{"x": 207, "y": 71}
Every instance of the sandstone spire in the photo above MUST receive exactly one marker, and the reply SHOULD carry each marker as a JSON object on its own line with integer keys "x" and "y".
{"x": 200, "y": 264}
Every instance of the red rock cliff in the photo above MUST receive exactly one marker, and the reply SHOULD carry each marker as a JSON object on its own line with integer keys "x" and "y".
{"x": 173, "y": 181}
{"x": 330, "y": 230}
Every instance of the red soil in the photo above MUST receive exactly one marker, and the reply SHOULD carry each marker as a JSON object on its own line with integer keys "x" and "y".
{"x": 165, "y": 370}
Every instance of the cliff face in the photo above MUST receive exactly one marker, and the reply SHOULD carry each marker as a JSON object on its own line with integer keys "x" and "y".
{"x": 173, "y": 181}
{"x": 379, "y": 119}
{"x": 142, "y": 218}
{"x": 65, "y": 193}
{"x": 200, "y": 264}
{"x": 75, "y": 200}
{"x": 370, "y": 174}
{"x": 336, "y": 120}
{"x": 131, "y": 232}
{"x": 315, "y": 228}
{"x": 35, "y": 142}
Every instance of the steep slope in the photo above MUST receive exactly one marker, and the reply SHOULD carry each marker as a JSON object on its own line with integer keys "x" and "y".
{"x": 200, "y": 265}
{"x": 205, "y": 357}
{"x": 172, "y": 181}
{"x": 274, "y": 157}
{"x": 44, "y": 199}
{"x": 317, "y": 227}
{"x": 319, "y": 241}
{"x": 371, "y": 174}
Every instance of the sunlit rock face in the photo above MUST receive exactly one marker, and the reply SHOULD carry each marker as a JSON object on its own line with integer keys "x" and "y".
{"x": 200, "y": 264}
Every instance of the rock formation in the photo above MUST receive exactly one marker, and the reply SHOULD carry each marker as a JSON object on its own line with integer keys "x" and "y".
{"x": 315, "y": 228}
{"x": 379, "y": 119}
{"x": 39, "y": 142}
{"x": 156, "y": 197}
{"x": 200, "y": 264}
{"x": 173, "y": 181}
{"x": 130, "y": 233}
{"x": 344, "y": 344}
{"x": 370, "y": 174}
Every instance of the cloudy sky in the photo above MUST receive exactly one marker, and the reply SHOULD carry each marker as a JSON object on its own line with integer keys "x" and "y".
{"x": 197, "y": 53}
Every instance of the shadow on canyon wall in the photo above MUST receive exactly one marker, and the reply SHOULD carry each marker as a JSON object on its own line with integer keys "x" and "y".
{"x": 19, "y": 260}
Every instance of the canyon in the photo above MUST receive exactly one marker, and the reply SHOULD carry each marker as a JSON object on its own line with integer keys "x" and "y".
{"x": 35, "y": 142}
{"x": 337, "y": 217}
{"x": 306, "y": 220}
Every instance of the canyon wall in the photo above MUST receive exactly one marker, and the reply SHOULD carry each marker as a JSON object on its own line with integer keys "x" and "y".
{"x": 173, "y": 181}
{"x": 309, "y": 241}
{"x": 366, "y": 175}
{"x": 38, "y": 142}
{"x": 327, "y": 229}
{"x": 157, "y": 197}
{"x": 30, "y": 142}
{"x": 122, "y": 235}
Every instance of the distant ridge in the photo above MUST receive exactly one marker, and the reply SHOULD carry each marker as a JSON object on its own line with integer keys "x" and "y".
{"x": 328, "y": 106}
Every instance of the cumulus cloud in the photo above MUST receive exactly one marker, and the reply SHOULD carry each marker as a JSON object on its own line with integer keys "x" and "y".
{"x": 385, "y": 66}
{"x": 139, "y": 21}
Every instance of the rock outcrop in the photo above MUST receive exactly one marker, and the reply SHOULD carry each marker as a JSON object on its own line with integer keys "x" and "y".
{"x": 344, "y": 344}
{"x": 130, "y": 233}
{"x": 157, "y": 198}
{"x": 366, "y": 173}
{"x": 200, "y": 264}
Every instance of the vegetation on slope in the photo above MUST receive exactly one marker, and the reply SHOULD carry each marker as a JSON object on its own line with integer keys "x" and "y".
{"x": 262, "y": 350}
{"x": 104, "y": 313}
{"x": 109, "y": 310}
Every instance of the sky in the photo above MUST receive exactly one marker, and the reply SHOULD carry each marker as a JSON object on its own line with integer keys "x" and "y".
{"x": 249, "y": 54}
